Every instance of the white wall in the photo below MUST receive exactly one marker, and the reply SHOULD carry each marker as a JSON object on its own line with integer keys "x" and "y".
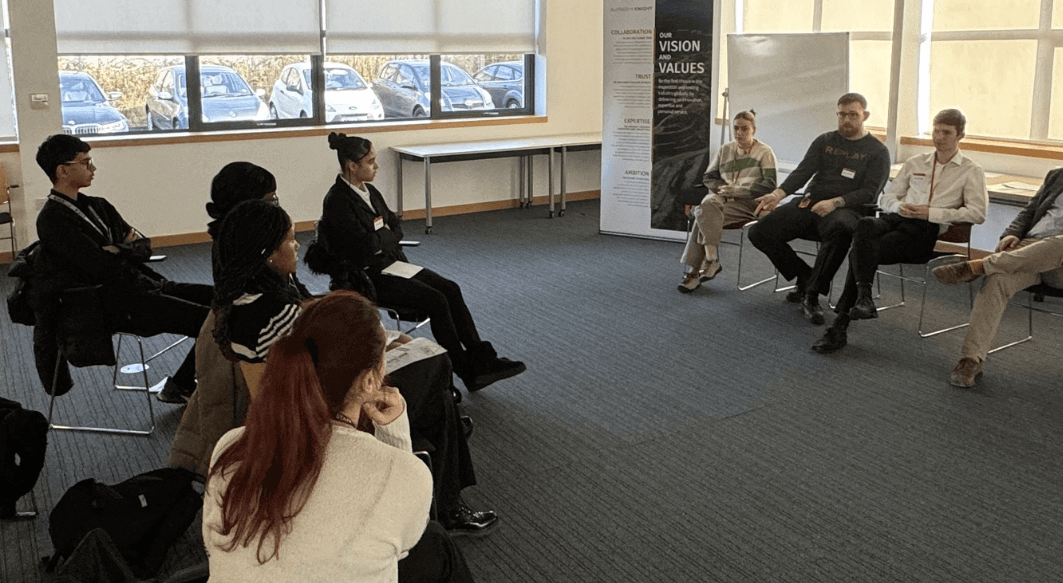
{"x": 162, "y": 188}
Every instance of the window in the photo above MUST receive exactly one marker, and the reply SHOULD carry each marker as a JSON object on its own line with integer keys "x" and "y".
{"x": 269, "y": 63}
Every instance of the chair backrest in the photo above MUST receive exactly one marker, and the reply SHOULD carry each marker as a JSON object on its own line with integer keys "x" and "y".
{"x": 5, "y": 190}
{"x": 957, "y": 233}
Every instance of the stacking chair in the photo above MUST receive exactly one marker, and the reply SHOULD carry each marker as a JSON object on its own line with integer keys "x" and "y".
{"x": 412, "y": 318}
{"x": 86, "y": 304}
{"x": 960, "y": 234}
{"x": 1034, "y": 293}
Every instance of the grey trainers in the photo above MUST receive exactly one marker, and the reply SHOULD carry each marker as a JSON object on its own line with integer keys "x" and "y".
{"x": 690, "y": 283}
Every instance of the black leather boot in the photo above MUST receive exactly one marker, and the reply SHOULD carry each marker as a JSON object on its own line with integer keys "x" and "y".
{"x": 864, "y": 308}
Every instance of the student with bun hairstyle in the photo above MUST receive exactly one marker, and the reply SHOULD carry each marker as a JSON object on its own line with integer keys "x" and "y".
{"x": 361, "y": 235}
{"x": 739, "y": 173}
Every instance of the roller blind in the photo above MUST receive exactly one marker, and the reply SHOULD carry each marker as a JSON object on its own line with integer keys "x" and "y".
{"x": 188, "y": 27}
{"x": 430, "y": 26}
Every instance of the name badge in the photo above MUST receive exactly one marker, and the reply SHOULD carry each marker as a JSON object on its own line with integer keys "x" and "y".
{"x": 848, "y": 173}
{"x": 378, "y": 223}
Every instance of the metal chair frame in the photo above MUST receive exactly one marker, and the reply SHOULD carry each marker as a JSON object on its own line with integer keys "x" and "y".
{"x": 143, "y": 370}
{"x": 1034, "y": 293}
{"x": 959, "y": 233}
{"x": 415, "y": 323}
{"x": 7, "y": 217}
{"x": 137, "y": 366}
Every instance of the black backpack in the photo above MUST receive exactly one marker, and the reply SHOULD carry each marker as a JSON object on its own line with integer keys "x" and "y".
{"x": 23, "y": 443}
{"x": 143, "y": 515}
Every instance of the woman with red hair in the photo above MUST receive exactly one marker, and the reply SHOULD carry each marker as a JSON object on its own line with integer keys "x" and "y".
{"x": 321, "y": 484}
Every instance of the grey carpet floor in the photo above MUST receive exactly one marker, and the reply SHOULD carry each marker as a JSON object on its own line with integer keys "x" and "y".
{"x": 658, "y": 436}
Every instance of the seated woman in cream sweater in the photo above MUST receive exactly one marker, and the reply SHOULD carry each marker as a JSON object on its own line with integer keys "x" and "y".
{"x": 320, "y": 484}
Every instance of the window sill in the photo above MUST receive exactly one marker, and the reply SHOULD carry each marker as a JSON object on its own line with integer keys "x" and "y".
{"x": 997, "y": 146}
{"x": 310, "y": 131}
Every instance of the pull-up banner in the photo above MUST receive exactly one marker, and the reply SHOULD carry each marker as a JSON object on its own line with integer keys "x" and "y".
{"x": 656, "y": 113}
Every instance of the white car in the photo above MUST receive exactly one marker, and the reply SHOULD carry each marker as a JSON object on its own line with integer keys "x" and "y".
{"x": 348, "y": 97}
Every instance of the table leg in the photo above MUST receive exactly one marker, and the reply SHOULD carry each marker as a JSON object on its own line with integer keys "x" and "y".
{"x": 522, "y": 180}
{"x": 564, "y": 189}
{"x": 550, "y": 179}
{"x": 531, "y": 180}
{"x": 398, "y": 203}
{"x": 427, "y": 196}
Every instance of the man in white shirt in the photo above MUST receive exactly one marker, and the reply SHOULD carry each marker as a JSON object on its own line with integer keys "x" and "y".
{"x": 931, "y": 192}
{"x": 1030, "y": 252}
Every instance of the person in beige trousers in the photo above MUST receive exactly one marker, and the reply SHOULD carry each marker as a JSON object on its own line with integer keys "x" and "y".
{"x": 1029, "y": 252}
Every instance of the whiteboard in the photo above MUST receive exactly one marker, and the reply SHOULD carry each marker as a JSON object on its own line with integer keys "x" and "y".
{"x": 793, "y": 81}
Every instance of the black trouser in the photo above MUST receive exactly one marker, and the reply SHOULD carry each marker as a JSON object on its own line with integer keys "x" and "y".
{"x": 434, "y": 417}
{"x": 438, "y": 298}
{"x": 434, "y": 559}
{"x": 885, "y": 240}
{"x": 772, "y": 234}
{"x": 179, "y": 308}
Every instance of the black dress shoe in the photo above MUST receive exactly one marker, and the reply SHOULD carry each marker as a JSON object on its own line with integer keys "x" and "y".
{"x": 462, "y": 520}
{"x": 863, "y": 309}
{"x": 810, "y": 307}
{"x": 455, "y": 394}
{"x": 833, "y": 340}
{"x": 466, "y": 426}
{"x": 797, "y": 295}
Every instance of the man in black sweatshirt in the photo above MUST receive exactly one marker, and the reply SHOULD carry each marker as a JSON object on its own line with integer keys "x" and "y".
{"x": 848, "y": 169}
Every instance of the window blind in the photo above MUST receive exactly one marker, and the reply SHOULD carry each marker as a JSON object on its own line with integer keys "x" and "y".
{"x": 189, "y": 27}
{"x": 430, "y": 26}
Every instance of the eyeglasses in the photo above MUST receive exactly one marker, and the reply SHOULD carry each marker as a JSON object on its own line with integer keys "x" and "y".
{"x": 849, "y": 114}
{"x": 87, "y": 163}
{"x": 272, "y": 198}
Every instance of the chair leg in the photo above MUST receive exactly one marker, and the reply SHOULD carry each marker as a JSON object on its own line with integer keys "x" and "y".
{"x": 109, "y": 430}
{"x": 738, "y": 278}
{"x": 1029, "y": 327}
{"x": 926, "y": 286}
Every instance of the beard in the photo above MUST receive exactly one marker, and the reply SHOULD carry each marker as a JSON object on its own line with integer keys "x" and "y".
{"x": 848, "y": 131}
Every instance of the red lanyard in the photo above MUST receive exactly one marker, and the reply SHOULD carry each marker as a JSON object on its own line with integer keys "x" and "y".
{"x": 932, "y": 172}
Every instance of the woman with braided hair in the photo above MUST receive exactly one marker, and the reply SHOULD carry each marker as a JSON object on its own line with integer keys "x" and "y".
{"x": 256, "y": 302}
{"x": 320, "y": 484}
{"x": 361, "y": 234}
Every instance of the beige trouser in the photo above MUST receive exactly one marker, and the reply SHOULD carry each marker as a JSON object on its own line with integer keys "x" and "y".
{"x": 1007, "y": 273}
{"x": 710, "y": 216}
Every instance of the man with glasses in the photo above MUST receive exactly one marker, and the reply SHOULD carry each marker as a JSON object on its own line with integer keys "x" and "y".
{"x": 85, "y": 242}
{"x": 848, "y": 169}
{"x": 931, "y": 192}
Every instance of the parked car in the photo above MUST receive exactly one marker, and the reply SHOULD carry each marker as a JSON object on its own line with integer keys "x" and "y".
{"x": 347, "y": 96}
{"x": 403, "y": 89}
{"x": 505, "y": 83}
{"x": 85, "y": 109}
{"x": 225, "y": 97}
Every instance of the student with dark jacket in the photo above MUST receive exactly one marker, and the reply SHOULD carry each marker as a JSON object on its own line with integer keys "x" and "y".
{"x": 361, "y": 235}
{"x": 84, "y": 241}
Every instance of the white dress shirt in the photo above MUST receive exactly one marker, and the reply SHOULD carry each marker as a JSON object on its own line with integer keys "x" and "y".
{"x": 959, "y": 189}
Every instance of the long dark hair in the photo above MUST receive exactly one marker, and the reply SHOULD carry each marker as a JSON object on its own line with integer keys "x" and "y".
{"x": 310, "y": 372}
{"x": 248, "y": 236}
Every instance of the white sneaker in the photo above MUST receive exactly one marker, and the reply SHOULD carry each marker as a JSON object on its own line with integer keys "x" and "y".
{"x": 690, "y": 283}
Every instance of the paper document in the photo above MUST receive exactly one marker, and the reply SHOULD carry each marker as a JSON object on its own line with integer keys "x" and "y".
{"x": 1023, "y": 186}
{"x": 402, "y": 269}
{"x": 411, "y": 352}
